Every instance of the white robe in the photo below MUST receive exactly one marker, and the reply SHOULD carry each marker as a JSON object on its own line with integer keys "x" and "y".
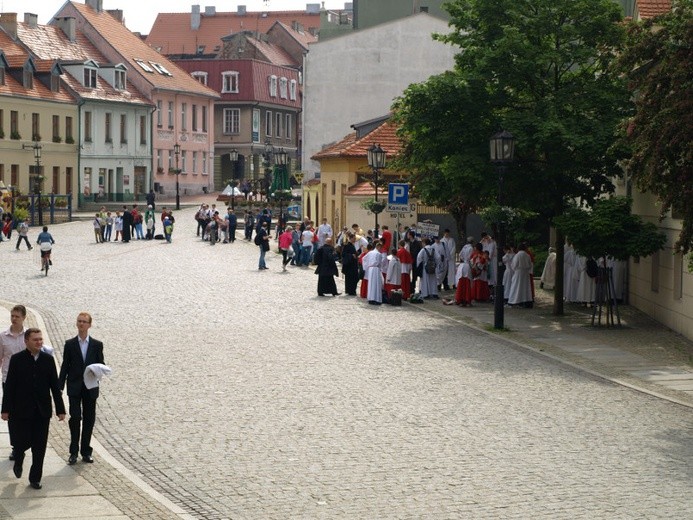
{"x": 451, "y": 249}
{"x": 490, "y": 246}
{"x": 428, "y": 284}
{"x": 372, "y": 269}
{"x": 520, "y": 289}
{"x": 463, "y": 271}
{"x": 586, "y": 284}
{"x": 569, "y": 275}
{"x": 548, "y": 275}
{"x": 394, "y": 271}
{"x": 466, "y": 253}
{"x": 508, "y": 274}
{"x": 441, "y": 262}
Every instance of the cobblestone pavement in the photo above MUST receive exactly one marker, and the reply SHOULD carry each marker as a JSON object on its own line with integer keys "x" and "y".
{"x": 240, "y": 393}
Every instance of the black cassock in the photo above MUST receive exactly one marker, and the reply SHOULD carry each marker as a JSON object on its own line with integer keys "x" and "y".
{"x": 326, "y": 270}
{"x": 350, "y": 268}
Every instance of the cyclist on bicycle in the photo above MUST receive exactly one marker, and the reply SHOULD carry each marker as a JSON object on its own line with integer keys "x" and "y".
{"x": 45, "y": 242}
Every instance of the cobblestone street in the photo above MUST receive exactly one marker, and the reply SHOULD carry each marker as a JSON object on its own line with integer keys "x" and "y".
{"x": 240, "y": 393}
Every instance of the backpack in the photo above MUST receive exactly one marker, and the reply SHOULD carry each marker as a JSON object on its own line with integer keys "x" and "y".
{"x": 258, "y": 239}
{"x": 591, "y": 268}
{"x": 430, "y": 265}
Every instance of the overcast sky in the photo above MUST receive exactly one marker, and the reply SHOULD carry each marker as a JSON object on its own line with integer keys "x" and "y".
{"x": 140, "y": 14}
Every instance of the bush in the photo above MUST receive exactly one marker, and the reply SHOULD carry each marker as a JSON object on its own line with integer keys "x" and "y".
{"x": 20, "y": 214}
{"x": 541, "y": 253}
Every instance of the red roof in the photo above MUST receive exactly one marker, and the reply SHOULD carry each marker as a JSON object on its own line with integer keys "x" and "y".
{"x": 652, "y": 8}
{"x": 362, "y": 189}
{"x": 132, "y": 48}
{"x": 172, "y": 33}
{"x": 385, "y": 135}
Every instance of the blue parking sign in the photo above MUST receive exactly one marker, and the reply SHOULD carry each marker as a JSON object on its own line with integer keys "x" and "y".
{"x": 398, "y": 194}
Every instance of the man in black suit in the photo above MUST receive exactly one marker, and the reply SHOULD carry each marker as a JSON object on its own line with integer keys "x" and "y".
{"x": 80, "y": 352}
{"x": 26, "y": 403}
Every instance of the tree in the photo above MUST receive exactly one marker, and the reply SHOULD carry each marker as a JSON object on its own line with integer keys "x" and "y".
{"x": 545, "y": 69}
{"x": 610, "y": 229}
{"x": 658, "y": 61}
{"x": 446, "y": 155}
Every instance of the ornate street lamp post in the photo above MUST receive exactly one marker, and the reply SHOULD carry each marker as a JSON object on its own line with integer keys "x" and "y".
{"x": 502, "y": 147}
{"x": 376, "y": 160}
{"x": 176, "y": 152}
{"x": 38, "y": 179}
{"x": 233, "y": 156}
{"x": 280, "y": 158}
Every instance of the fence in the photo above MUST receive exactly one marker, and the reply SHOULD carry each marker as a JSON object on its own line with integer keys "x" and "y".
{"x": 54, "y": 209}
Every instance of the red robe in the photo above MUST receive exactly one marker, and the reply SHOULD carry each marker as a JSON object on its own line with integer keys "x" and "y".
{"x": 363, "y": 293}
{"x": 463, "y": 293}
{"x": 405, "y": 258}
{"x": 480, "y": 290}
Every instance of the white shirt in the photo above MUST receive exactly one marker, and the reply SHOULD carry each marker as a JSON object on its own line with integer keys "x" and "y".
{"x": 83, "y": 344}
{"x": 307, "y": 238}
{"x": 10, "y": 344}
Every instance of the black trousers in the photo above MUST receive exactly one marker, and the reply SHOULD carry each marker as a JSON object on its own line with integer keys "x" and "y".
{"x": 30, "y": 433}
{"x": 82, "y": 413}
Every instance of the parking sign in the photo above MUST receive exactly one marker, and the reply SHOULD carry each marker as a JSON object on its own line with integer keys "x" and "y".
{"x": 398, "y": 197}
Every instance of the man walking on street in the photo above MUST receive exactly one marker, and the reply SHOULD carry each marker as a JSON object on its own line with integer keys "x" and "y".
{"x": 26, "y": 403}
{"x": 80, "y": 352}
{"x": 23, "y": 231}
{"x": 11, "y": 343}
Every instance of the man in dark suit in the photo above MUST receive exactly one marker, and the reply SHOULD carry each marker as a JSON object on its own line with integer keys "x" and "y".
{"x": 26, "y": 403}
{"x": 80, "y": 352}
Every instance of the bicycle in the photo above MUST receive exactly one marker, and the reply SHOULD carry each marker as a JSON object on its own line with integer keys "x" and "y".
{"x": 46, "y": 256}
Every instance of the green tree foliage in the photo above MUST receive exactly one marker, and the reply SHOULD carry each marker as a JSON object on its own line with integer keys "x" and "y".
{"x": 446, "y": 155}
{"x": 610, "y": 229}
{"x": 658, "y": 62}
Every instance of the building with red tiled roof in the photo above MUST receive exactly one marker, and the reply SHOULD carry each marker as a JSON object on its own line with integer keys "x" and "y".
{"x": 201, "y": 32}
{"x": 346, "y": 179}
{"x": 182, "y": 105}
{"x": 645, "y": 9}
{"x": 37, "y": 114}
{"x": 115, "y": 143}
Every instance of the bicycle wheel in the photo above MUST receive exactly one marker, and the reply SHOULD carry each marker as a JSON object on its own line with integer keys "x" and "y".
{"x": 45, "y": 265}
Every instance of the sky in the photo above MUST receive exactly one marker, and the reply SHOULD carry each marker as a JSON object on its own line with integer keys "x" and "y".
{"x": 140, "y": 14}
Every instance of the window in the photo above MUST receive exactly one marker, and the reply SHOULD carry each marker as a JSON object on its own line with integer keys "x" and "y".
{"x": 144, "y": 66}
{"x": 159, "y": 160}
{"x": 56, "y": 179}
{"x": 232, "y": 121}
{"x": 68, "y": 180}
{"x": 193, "y": 115}
{"x": 229, "y": 82}
{"x": 14, "y": 174}
{"x": 109, "y": 136}
{"x": 14, "y": 125}
{"x": 268, "y": 123}
{"x": 200, "y": 76}
{"x": 28, "y": 79}
{"x": 278, "y": 124}
{"x": 184, "y": 116}
{"x": 87, "y": 126}
{"x": 120, "y": 82}
{"x": 159, "y": 113}
{"x": 160, "y": 68}
{"x": 273, "y": 86}
{"x": 183, "y": 159}
{"x": 194, "y": 163}
{"x": 68, "y": 130}
{"x": 143, "y": 129}
{"x": 283, "y": 83}
{"x": 123, "y": 129}
{"x": 35, "y": 127}
{"x": 2, "y": 75}
{"x": 56, "y": 129}
{"x": 170, "y": 159}
{"x": 292, "y": 90}
{"x": 287, "y": 127}
{"x": 55, "y": 83}
{"x": 204, "y": 163}
{"x": 2, "y": 121}
{"x": 170, "y": 114}
{"x": 89, "y": 77}
{"x": 204, "y": 118}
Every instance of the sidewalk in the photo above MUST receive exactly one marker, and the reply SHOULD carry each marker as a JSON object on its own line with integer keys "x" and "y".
{"x": 641, "y": 355}
{"x": 81, "y": 491}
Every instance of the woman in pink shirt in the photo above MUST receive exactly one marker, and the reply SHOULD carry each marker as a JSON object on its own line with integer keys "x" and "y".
{"x": 285, "y": 240}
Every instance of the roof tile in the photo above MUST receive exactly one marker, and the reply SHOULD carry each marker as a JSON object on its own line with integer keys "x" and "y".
{"x": 652, "y": 8}
{"x": 385, "y": 135}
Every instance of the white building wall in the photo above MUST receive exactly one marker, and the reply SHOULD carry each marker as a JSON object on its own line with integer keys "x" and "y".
{"x": 356, "y": 77}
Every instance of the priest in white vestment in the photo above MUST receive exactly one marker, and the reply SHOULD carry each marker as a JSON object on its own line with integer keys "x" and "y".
{"x": 520, "y": 289}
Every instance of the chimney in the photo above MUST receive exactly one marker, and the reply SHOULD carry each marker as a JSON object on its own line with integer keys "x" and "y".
{"x": 210, "y": 10}
{"x": 67, "y": 25}
{"x": 8, "y": 21}
{"x": 195, "y": 18}
{"x": 117, "y": 14}
{"x": 31, "y": 19}
{"x": 96, "y": 5}
{"x": 241, "y": 10}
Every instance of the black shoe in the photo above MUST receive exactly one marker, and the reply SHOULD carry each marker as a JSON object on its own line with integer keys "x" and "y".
{"x": 50, "y": 262}
{"x": 35, "y": 485}
{"x": 72, "y": 460}
{"x": 17, "y": 468}
{"x": 88, "y": 459}
{"x": 320, "y": 294}
{"x": 337, "y": 294}
{"x": 12, "y": 454}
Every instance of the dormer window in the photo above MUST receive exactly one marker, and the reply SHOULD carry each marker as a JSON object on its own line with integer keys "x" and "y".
{"x": 55, "y": 83}
{"x": 200, "y": 49}
{"x": 200, "y": 76}
{"x": 89, "y": 77}
{"x": 2, "y": 75}
{"x": 292, "y": 90}
{"x": 120, "y": 80}
{"x": 144, "y": 66}
{"x": 28, "y": 78}
{"x": 273, "y": 86}
{"x": 283, "y": 87}
{"x": 229, "y": 82}
{"x": 160, "y": 69}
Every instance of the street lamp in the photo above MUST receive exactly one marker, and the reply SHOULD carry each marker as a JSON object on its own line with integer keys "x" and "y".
{"x": 37, "y": 176}
{"x": 233, "y": 155}
{"x": 376, "y": 160}
{"x": 176, "y": 152}
{"x": 280, "y": 158}
{"x": 502, "y": 147}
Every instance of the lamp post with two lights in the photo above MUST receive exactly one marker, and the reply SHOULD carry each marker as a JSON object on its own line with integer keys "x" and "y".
{"x": 38, "y": 178}
{"x": 376, "y": 160}
{"x": 176, "y": 152}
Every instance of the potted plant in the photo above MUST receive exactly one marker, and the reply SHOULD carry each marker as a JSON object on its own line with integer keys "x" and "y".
{"x": 57, "y": 139}
{"x": 15, "y": 135}
{"x": 70, "y": 140}
{"x": 374, "y": 206}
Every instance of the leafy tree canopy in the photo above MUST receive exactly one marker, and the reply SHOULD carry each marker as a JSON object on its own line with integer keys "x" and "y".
{"x": 610, "y": 229}
{"x": 658, "y": 62}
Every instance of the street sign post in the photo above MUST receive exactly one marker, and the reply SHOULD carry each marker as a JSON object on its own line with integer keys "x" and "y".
{"x": 397, "y": 197}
